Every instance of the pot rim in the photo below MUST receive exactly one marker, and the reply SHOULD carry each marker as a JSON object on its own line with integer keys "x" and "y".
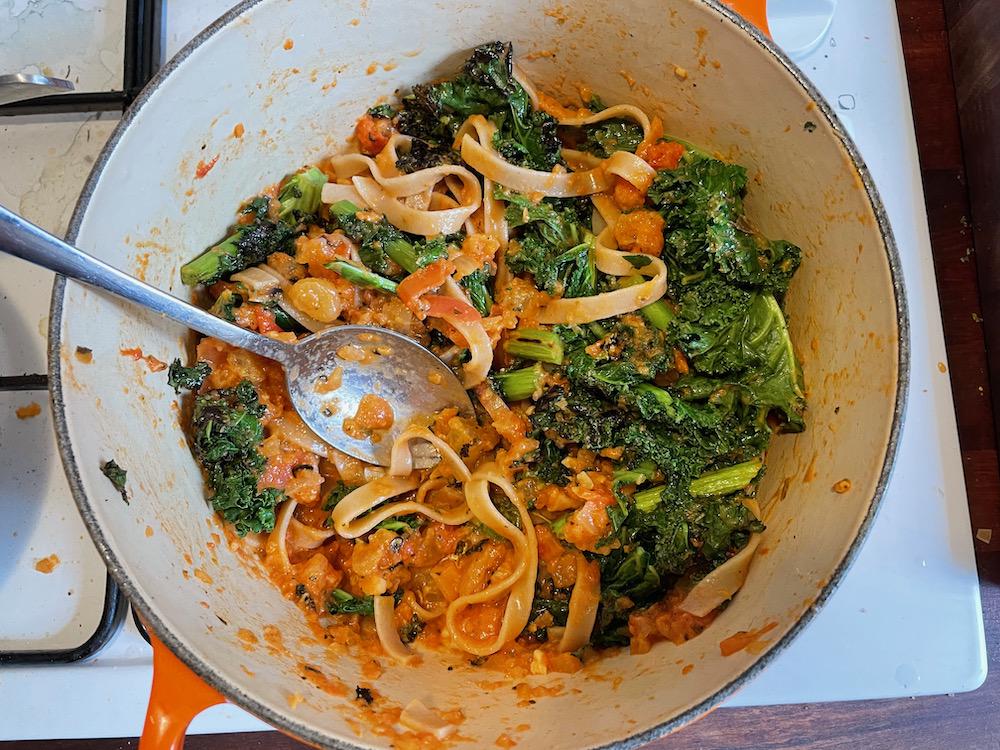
{"x": 234, "y": 692}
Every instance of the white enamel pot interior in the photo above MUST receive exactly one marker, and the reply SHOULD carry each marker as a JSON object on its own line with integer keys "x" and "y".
{"x": 716, "y": 82}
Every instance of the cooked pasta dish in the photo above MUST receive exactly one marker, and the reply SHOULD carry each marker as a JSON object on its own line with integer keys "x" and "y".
{"x": 618, "y": 323}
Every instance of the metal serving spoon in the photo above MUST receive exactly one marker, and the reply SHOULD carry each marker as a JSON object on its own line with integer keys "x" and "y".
{"x": 17, "y": 87}
{"x": 371, "y": 360}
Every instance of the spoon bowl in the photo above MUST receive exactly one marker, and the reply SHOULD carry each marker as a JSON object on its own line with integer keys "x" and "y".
{"x": 329, "y": 374}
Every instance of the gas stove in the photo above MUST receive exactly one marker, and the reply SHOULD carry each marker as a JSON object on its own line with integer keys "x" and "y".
{"x": 906, "y": 620}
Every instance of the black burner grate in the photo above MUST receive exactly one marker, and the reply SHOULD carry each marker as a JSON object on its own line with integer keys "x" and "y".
{"x": 142, "y": 55}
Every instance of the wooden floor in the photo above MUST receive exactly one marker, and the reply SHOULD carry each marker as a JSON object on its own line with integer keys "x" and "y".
{"x": 963, "y": 206}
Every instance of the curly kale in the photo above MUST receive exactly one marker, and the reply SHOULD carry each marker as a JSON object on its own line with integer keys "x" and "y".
{"x": 702, "y": 204}
{"x": 227, "y": 430}
{"x": 477, "y": 286}
{"x": 188, "y": 378}
{"x": 433, "y": 112}
{"x": 555, "y": 244}
{"x": 382, "y": 111}
{"x": 604, "y": 138}
{"x": 579, "y": 416}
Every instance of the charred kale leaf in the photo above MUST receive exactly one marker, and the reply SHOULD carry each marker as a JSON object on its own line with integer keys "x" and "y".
{"x": 227, "y": 430}
{"x": 433, "y": 112}
{"x": 188, "y": 378}
{"x": 117, "y": 476}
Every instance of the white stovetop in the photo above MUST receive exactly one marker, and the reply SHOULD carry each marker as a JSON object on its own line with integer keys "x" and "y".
{"x": 906, "y": 620}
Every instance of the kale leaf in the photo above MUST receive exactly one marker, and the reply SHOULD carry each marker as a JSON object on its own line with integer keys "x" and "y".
{"x": 383, "y": 248}
{"x": 555, "y": 244}
{"x": 604, "y": 138}
{"x": 227, "y": 430}
{"x": 432, "y": 113}
{"x": 702, "y": 204}
{"x": 117, "y": 476}
{"x": 189, "y": 378}
{"x": 477, "y": 286}
{"x": 382, "y": 111}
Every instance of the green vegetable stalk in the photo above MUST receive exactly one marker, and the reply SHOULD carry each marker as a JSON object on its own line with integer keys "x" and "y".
{"x": 300, "y": 195}
{"x": 342, "y": 603}
{"x": 362, "y": 277}
{"x": 727, "y": 480}
{"x": 516, "y": 385}
{"x": 658, "y": 314}
{"x": 646, "y": 500}
{"x": 536, "y": 344}
{"x": 248, "y": 245}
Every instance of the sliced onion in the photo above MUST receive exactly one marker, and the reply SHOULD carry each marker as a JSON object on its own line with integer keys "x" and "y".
{"x": 306, "y": 321}
{"x": 385, "y": 627}
{"x": 722, "y": 583}
{"x": 419, "y": 718}
{"x": 295, "y": 431}
{"x": 260, "y": 282}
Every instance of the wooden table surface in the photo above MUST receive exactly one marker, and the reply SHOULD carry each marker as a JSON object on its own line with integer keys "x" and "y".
{"x": 963, "y": 208}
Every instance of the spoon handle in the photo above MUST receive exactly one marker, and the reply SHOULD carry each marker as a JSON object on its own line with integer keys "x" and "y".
{"x": 22, "y": 239}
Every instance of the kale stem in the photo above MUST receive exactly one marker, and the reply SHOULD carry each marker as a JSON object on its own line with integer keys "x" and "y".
{"x": 534, "y": 343}
{"x": 517, "y": 385}
{"x": 301, "y": 194}
{"x": 649, "y": 499}
{"x": 727, "y": 480}
{"x": 658, "y": 314}
{"x": 205, "y": 267}
{"x": 362, "y": 277}
{"x": 664, "y": 399}
{"x": 403, "y": 253}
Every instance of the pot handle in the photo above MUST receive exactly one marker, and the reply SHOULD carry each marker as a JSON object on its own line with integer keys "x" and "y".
{"x": 754, "y": 11}
{"x": 177, "y": 696}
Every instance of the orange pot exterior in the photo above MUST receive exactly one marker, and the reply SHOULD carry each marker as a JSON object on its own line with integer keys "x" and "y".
{"x": 755, "y": 11}
{"x": 177, "y": 696}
